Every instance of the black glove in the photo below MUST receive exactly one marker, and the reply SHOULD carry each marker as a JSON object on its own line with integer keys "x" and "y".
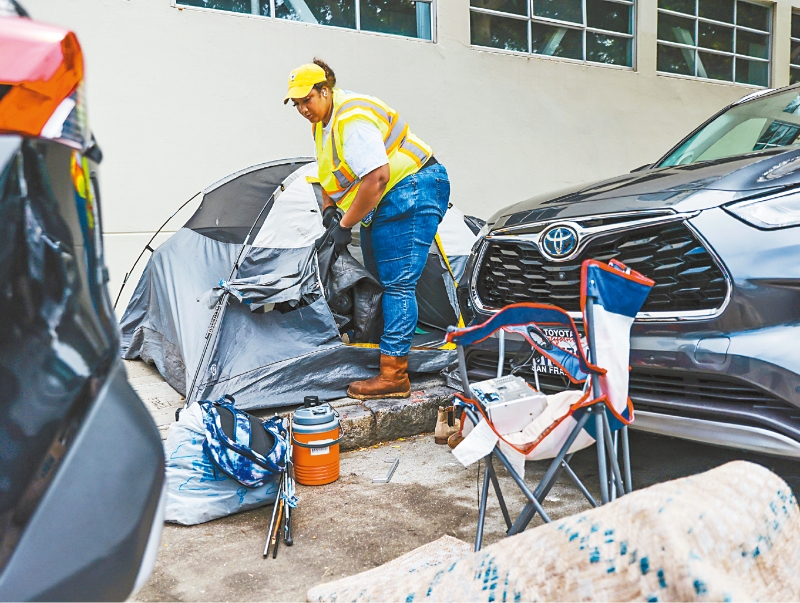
{"x": 341, "y": 236}
{"x": 329, "y": 214}
{"x": 337, "y": 236}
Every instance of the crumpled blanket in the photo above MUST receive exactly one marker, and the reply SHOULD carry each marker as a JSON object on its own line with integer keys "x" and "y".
{"x": 729, "y": 534}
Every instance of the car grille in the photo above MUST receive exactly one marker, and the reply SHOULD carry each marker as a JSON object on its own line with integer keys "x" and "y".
{"x": 712, "y": 397}
{"x": 687, "y": 276}
{"x": 677, "y": 385}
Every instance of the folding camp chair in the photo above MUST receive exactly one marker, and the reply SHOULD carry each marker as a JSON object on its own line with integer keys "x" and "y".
{"x": 611, "y": 295}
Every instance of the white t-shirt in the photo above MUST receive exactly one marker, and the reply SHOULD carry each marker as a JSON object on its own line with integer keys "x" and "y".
{"x": 363, "y": 146}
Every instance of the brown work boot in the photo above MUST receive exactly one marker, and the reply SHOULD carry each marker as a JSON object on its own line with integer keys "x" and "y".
{"x": 445, "y": 425}
{"x": 391, "y": 383}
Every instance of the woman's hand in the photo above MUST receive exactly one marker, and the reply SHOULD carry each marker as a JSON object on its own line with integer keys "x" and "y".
{"x": 369, "y": 193}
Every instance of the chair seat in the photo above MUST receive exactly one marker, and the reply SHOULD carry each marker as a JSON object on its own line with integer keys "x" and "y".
{"x": 555, "y": 425}
{"x": 549, "y": 430}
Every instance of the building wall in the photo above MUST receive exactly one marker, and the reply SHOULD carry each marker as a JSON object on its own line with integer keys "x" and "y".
{"x": 180, "y": 97}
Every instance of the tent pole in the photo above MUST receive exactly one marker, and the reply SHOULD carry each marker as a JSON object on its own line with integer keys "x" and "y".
{"x": 146, "y": 247}
{"x": 216, "y": 318}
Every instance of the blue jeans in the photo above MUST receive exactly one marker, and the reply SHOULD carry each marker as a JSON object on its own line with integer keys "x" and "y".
{"x": 395, "y": 248}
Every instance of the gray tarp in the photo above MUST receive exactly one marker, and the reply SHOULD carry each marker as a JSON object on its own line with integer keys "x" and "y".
{"x": 262, "y": 359}
{"x": 290, "y": 346}
{"x": 164, "y": 323}
{"x": 268, "y": 277}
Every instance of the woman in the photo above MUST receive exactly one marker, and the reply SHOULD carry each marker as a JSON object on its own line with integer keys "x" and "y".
{"x": 372, "y": 168}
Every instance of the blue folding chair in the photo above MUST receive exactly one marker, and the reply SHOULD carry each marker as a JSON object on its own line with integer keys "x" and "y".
{"x": 611, "y": 296}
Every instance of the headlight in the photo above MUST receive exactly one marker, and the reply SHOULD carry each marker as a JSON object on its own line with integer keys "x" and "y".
{"x": 772, "y": 213}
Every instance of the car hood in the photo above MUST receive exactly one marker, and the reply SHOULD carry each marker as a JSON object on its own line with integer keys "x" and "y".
{"x": 682, "y": 188}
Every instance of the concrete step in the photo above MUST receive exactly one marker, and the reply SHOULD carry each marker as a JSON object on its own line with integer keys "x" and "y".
{"x": 365, "y": 423}
{"x": 371, "y": 421}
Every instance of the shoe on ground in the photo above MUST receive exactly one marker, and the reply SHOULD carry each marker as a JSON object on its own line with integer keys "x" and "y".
{"x": 445, "y": 425}
{"x": 454, "y": 440}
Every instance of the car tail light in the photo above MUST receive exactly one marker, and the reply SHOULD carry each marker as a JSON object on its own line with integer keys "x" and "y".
{"x": 41, "y": 70}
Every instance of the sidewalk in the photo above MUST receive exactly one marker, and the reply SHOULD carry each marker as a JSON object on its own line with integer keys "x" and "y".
{"x": 342, "y": 528}
{"x": 339, "y": 529}
{"x": 353, "y": 524}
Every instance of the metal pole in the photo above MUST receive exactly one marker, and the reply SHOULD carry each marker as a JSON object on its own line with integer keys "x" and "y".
{"x": 554, "y": 466}
{"x": 272, "y": 520}
{"x": 589, "y": 329}
{"x": 462, "y": 372}
{"x": 543, "y": 489}
{"x": 498, "y": 492}
{"x": 577, "y": 481}
{"x": 615, "y": 474}
{"x": 482, "y": 507}
{"x": 527, "y": 513}
{"x": 501, "y": 354}
{"x": 598, "y": 410}
{"x": 614, "y": 458}
{"x": 517, "y": 479}
{"x": 626, "y": 461}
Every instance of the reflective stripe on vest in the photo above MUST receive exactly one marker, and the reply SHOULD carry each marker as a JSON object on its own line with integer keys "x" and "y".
{"x": 394, "y": 130}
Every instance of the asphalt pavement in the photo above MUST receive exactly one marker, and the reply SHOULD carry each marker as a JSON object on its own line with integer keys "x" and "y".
{"x": 353, "y": 524}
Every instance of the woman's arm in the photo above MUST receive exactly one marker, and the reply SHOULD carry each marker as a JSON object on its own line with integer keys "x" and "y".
{"x": 326, "y": 200}
{"x": 369, "y": 193}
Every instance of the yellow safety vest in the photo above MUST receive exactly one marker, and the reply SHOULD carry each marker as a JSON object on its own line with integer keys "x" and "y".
{"x": 406, "y": 153}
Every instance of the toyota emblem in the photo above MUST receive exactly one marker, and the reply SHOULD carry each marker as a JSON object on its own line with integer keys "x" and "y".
{"x": 559, "y": 242}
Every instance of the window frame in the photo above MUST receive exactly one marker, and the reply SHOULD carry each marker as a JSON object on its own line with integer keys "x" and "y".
{"x": 734, "y": 54}
{"x": 530, "y": 18}
{"x": 792, "y": 42}
{"x": 434, "y": 4}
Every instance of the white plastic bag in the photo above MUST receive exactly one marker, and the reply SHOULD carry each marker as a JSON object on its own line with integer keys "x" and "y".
{"x": 196, "y": 490}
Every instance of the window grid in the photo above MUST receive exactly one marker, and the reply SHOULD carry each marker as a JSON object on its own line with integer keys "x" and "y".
{"x": 558, "y": 22}
{"x": 794, "y": 49}
{"x": 736, "y": 28}
{"x": 583, "y": 28}
{"x": 255, "y": 11}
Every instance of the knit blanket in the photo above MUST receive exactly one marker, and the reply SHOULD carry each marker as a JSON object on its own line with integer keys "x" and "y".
{"x": 732, "y": 533}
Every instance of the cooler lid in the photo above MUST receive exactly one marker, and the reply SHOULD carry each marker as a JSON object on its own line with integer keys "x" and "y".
{"x": 315, "y": 415}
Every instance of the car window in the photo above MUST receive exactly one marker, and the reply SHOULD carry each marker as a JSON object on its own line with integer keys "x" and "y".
{"x": 765, "y": 123}
{"x": 744, "y": 135}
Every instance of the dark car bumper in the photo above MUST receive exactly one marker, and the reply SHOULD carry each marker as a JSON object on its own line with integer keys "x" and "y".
{"x": 98, "y": 523}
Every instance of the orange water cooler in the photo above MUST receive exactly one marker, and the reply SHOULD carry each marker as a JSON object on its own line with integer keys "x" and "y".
{"x": 315, "y": 444}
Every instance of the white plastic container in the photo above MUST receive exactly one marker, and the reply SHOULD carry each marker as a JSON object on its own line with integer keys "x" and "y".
{"x": 510, "y": 402}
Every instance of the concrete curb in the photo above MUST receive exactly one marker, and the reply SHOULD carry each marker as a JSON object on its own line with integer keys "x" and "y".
{"x": 372, "y": 421}
{"x": 364, "y": 423}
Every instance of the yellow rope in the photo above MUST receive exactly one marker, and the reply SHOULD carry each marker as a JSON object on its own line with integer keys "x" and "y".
{"x": 440, "y": 247}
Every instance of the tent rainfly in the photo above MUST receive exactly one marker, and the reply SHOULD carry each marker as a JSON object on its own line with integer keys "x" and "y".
{"x": 234, "y": 301}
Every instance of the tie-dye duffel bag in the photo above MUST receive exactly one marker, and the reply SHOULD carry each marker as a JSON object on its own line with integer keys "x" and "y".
{"x": 248, "y": 449}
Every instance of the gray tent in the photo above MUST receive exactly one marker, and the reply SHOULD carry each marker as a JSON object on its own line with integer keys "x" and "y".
{"x": 234, "y": 302}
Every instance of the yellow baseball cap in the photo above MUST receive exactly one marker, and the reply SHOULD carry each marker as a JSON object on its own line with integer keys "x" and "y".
{"x": 303, "y": 79}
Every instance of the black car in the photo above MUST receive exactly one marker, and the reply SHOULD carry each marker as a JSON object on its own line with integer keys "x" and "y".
{"x": 716, "y": 223}
{"x": 81, "y": 462}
